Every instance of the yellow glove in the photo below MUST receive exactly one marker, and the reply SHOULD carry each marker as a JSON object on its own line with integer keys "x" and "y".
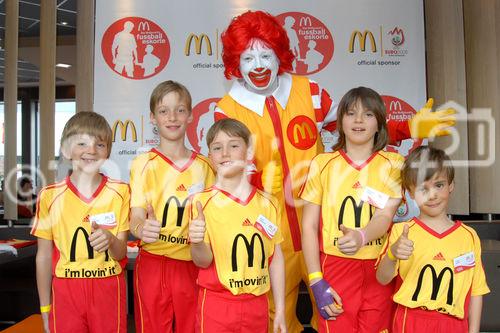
{"x": 272, "y": 175}
{"x": 428, "y": 124}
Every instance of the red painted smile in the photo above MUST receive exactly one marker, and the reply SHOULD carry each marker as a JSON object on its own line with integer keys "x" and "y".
{"x": 260, "y": 79}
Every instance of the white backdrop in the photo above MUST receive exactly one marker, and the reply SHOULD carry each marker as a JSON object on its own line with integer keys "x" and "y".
{"x": 374, "y": 43}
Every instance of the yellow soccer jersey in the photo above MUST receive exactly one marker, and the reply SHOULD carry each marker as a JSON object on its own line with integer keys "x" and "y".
{"x": 63, "y": 215}
{"x": 286, "y": 138}
{"x": 337, "y": 184}
{"x": 156, "y": 180}
{"x": 242, "y": 236}
{"x": 443, "y": 269}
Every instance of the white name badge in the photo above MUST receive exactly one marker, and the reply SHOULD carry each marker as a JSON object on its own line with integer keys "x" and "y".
{"x": 105, "y": 220}
{"x": 196, "y": 188}
{"x": 265, "y": 226}
{"x": 374, "y": 197}
{"x": 464, "y": 262}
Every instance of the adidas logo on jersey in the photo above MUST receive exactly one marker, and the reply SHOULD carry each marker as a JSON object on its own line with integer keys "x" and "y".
{"x": 439, "y": 256}
{"x": 357, "y": 185}
{"x": 247, "y": 223}
{"x": 181, "y": 188}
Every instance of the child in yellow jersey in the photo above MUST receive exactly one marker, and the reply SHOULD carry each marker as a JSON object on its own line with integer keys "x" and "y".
{"x": 81, "y": 224}
{"x": 350, "y": 197}
{"x": 437, "y": 261}
{"x": 235, "y": 236}
{"x": 161, "y": 181}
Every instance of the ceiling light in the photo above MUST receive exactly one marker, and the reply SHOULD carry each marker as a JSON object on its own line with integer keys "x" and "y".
{"x": 64, "y": 23}
{"x": 61, "y": 65}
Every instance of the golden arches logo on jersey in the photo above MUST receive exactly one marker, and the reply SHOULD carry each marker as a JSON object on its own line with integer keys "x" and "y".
{"x": 90, "y": 250}
{"x": 357, "y": 210}
{"x": 198, "y": 43}
{"x": 362, "y": 37}
{"x": 436, "y": 283}
{"x": 302, "y": 132}
{"x": 74, "y": 243}
{"x": 250, "y": 247}
{"x": 124, "y": 128}
{"x": 180, "y": 210}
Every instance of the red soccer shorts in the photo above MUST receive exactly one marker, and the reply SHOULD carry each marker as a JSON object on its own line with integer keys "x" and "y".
{"x": 367, "y": 304}
{"x": 88, "y": 305}
{"x": 223, "y": 312}
{"x": 165, "y": 294}
{"x": 419, "y": 320}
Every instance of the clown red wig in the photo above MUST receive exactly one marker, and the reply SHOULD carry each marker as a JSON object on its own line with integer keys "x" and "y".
{"x": 254, "y": 25}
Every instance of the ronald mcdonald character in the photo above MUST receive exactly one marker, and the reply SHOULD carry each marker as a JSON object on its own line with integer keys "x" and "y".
{"x": 287, "y": 115}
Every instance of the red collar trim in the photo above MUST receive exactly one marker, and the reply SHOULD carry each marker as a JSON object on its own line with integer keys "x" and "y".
{"x": 434, "y": 233}
{"x": 354, "y": 165}
{"x": 172, "y": 164}
{"x": 73, "y": 189}
{"x": 236, "y": 199}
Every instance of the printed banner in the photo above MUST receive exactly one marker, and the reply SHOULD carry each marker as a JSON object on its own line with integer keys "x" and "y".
{"x": 339, "y": 44}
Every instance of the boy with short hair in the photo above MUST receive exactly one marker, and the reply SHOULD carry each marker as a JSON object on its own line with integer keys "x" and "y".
{"x": 81, "y": 224}
{"x": 235, "y": 236}
{"x": 161, "y": 181}
{"x": 437, "y": 260}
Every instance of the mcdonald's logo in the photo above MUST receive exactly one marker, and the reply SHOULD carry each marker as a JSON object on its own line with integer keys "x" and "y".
{"x": 143, "y": 26}
{"x": 250, "y": 246}
{"x": 180, "y": 211}
{"x": 358, "y": 209}
{"x": 90, "y": 250}
{"x": 436, "y": 283}
{"x": 362, "y": 40}
{"x": 304, "y": 131}
{"x": 305, "y": 21}
{"x": 124, "y": 129}
{"x": 395, "y": 106}
{"x": 198, "y": 41}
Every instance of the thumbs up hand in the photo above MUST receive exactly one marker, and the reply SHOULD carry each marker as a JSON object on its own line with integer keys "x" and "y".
{"x": 197, "y": 226}
{"x": 403, "y": 248}
{"x": 151, "y": 227}
{"x": 351, "y": 242}
{"x": 100, "y": 239}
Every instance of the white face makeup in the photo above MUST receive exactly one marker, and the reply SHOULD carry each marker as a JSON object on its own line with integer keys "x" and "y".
{"x": 259, "y": 67}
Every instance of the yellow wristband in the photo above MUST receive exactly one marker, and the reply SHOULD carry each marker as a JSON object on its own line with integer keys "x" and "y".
{"x": 315, "y": 275}
{"x": 390, "y": 255}
{"x": 45, "y": 308}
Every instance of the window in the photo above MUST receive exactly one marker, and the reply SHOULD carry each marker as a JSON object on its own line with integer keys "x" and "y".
{"x": 64, "y": 111}
{"x": 2, "y": 142}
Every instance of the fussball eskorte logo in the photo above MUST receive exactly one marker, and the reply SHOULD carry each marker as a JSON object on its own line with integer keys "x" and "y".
{"x": 203, "y": 118}
{"x": 135, "y": 47}
{"x": 399, "y": 110}
{"x": 310, "y": 41}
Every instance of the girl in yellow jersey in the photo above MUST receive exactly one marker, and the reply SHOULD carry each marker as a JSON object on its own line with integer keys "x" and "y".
{"x": 81, "y": 224}
{"x": 437, "y": 261}
{"x": 235, "y": 236}
{"x": 351, "y": 196}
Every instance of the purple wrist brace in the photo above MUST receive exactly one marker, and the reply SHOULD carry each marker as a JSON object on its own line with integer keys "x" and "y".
{"x": 322, "y": 296}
